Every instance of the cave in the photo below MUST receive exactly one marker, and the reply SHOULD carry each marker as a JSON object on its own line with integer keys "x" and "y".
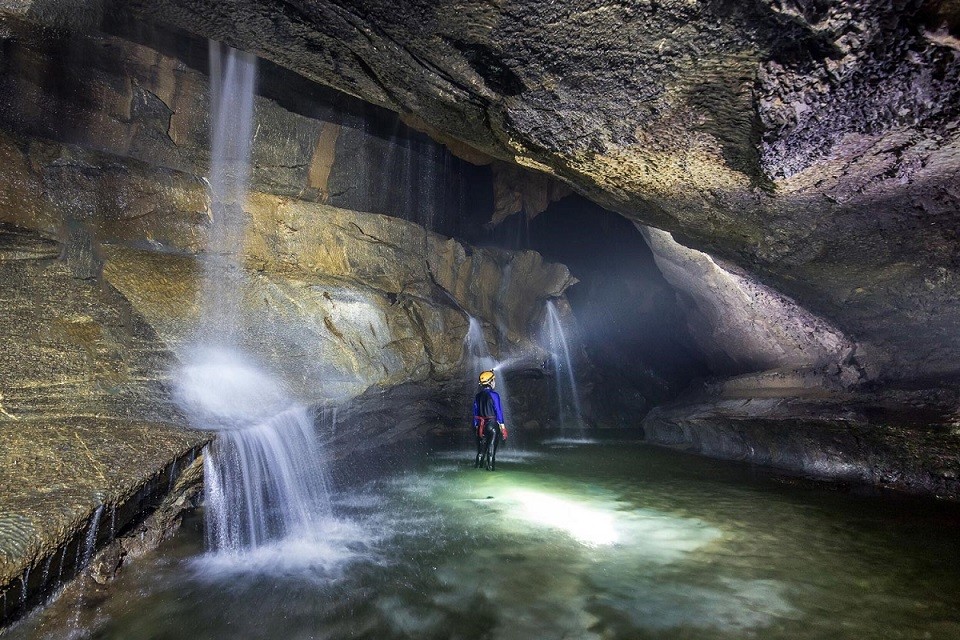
{"x": 479, "y": 320}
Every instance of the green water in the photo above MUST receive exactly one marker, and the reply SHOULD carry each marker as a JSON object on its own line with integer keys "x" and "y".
{"x": 592, "y": 541}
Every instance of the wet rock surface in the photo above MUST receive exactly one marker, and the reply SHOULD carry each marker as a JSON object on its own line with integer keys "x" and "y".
{"x": 88, "y": 436}
{"x": 814, "y": 146}
{"x": 105, "y": 214}
{"x": 812, "y": 150}
{"x": 905, "y": 439}
{"x": 337, "y": 301}
{"x": 112, "y": 161}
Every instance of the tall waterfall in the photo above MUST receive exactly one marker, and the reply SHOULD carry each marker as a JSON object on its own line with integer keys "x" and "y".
{"x": 232, "y": 81}
{"x": 568, "y": 398}
{"x": 264, "y": 479}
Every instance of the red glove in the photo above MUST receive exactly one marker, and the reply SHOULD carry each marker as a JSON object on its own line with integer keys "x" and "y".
{"x": 503, "y": 431}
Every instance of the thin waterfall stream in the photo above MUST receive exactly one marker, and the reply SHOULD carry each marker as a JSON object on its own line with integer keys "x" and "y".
{"x": 568, "y": 397}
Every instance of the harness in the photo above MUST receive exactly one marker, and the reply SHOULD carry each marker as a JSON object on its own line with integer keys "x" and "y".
{"x": 481, "y": 424}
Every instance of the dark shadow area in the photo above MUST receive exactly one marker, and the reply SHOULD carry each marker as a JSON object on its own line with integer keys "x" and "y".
{"x": 630, "y": 323}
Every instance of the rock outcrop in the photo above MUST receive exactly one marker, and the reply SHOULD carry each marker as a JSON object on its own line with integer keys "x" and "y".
{"x": 742, "y": 326}
{"x": 112, "y": 165}
{"x": 88, "y": 440}
{"x": 793, "y": 422}
{"x": 337, "y": 301}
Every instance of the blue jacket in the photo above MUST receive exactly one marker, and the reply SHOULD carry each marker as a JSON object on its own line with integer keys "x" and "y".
{"x": 486, "y": 404}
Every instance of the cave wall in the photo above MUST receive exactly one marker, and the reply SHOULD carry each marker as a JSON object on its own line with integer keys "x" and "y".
{"x": 142, "y": 95}
{"x": 105, "y": 141}
{"x": 637, "y": 349}
{"x": 104, "y": 211}
{"x": 740, "y": 325}
{"x": 810, "y": 145}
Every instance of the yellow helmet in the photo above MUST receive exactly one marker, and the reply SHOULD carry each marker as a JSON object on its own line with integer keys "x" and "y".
{"x": 486, "y": 377}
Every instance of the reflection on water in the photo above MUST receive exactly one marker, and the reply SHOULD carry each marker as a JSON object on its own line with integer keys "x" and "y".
{"x": 569, "y": 442}
{"x": 605, "y": 541}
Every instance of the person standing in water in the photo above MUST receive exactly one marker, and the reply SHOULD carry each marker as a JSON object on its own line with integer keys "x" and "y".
{"x": 488, "y": 421}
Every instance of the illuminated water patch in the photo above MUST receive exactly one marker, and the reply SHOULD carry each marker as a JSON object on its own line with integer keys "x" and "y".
{"x": 586, "y": 524}
{"x": 569, "y": 442}
{"x": 503, "y": 455}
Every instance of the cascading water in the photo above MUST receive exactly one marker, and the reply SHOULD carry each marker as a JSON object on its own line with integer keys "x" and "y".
{"x": 568, "y": 398}
{"x": 263, "y": 476}
{"x": 264, "y": 479}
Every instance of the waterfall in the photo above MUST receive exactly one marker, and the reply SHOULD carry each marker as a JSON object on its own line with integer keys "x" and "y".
{"x": 264, "y": 479}
{"x": 568, "y": 398}
{"x": 232, "y": 81}
{"x": 264, "y": 483}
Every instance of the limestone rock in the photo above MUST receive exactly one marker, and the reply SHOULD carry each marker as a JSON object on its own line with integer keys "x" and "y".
{"x": 818, "y": 433}
{"x": 740, "y": 325}
{"x": 516, "y": 190}
{"x": 345, "y": 300}
{"x": 814, "y": 146}
{"x": 85, "y": 418}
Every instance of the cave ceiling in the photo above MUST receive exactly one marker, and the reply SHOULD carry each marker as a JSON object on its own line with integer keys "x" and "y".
{"x": 811, "y": 144}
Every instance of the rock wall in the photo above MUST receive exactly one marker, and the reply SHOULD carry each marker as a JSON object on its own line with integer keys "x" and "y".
{"x": 742, "y": 326}
{"x": 812, "y": 145}
{"x": 111, "y": 162}
{"x": 337, "y": 301}
{"x": 88, "y": 438}
{"x": 818, "y": 434}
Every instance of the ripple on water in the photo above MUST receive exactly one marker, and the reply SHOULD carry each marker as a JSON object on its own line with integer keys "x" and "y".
{"x": 588, "y": 543}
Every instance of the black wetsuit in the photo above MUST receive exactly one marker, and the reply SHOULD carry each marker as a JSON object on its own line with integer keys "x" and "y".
{"x": 488, "y": 414}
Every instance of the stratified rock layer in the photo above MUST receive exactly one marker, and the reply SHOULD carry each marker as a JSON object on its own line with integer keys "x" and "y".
{"x": 336, "y": 301}
{"x": 349, "y": 298}
{"x": 87, "y": 437}
{"x": 815, "y": 146}
{"x": 792, "y": 422}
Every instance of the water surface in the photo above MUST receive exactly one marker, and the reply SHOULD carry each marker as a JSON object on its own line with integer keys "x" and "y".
{"x": 567, "y": 540}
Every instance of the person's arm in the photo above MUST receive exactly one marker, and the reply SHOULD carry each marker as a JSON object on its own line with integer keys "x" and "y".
{"x": 476, "y": 412}
{"x": 496, "y": 406}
